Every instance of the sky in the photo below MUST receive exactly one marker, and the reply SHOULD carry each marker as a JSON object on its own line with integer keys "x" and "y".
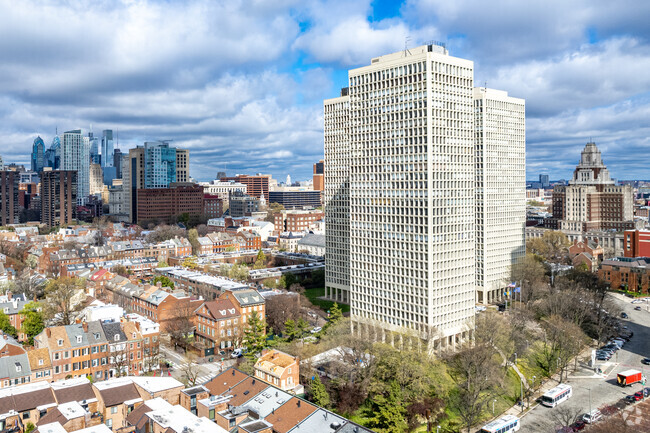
{"x": 241, "y": 83}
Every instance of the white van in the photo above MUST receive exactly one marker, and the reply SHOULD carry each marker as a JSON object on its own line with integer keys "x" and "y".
{"x": 236, "y": 353}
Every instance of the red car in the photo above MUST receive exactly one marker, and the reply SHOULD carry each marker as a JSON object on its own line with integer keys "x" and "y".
{"x": 638, "y": 395}
{"x": 578, "y": 425}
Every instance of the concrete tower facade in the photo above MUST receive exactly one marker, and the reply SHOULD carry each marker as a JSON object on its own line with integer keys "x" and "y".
{"x": 500, "y": 133}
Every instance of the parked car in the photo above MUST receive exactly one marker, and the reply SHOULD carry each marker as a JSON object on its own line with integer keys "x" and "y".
{"x": 316, "y": 330}
{"x": 645, "y": 361}
{"x": 592, "y": 417}
{"x": 638, "y": 395}
{"x": 629, "y": 399}
{"x": 237, "y": 353}
{"x": 637, "y": 308}
{"x": 578, "y": 425}
{"x": 624, "y": 315}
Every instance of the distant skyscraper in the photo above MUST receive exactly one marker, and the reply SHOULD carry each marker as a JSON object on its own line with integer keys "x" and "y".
{"x": 500, "y": 125}
{"x": 9, "y": 197}
{"x": 75, "y": 155}
{"x": 53, "y": 154}
{"x": 117, "y": 162}
{"x": 288, "y": 182}
{"x": 182, "y": 165}
{"x": 544, "y": 180}
{"x": 38, "y": 155}
{"x": 159, "y": 164}
{"x": 94, "y": 148}
{"x": 58, "y": 197}
{"x": 412, "y": 207}
{"x": 2, "y": 164}
{"x": 107, "y": 148}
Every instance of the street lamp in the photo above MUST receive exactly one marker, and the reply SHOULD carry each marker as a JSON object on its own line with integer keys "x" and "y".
{"x": 493, "y": 401}
{"x": 515, "y": 358}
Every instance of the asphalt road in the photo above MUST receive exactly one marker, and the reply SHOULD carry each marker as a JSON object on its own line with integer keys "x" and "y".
{"x": 603, "y": 390}
{"x": 206, "y": 370}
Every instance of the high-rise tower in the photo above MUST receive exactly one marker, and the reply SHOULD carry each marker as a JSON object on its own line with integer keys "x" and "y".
{"x": 500, "y": 133}
{"x": 411, "y": 196}
{"x": 75, "y": 155}
{"x": 107, "y": 148}
{"x": 38, "y": 155}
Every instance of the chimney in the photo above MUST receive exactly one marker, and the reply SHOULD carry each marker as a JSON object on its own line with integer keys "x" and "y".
{"x": 298, "y": 403}
{"x": 77, "y": 321}
{"x": 48, "y": 332}
{"x": 9, "y": 294}
{"x": 85, "y": 326}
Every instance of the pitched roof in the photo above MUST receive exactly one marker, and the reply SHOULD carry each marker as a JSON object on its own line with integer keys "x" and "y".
{"x": 221, "y": 309}
{"x": 246, "y": 390}
{"x": 290, "y": 414}
{"x": 39, "y": 358}
{"x": 246, "y": 297}
{"x": 227, "y": 379}
{"x": 79, "y": 392}
{"x": 111, "y": 329}
{"x": 51, "y": 416}
{"x": 33, "y": 399}
{"x": 118, "y": 394}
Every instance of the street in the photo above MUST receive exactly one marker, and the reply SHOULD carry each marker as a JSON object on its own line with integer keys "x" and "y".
{"x": 206, "y": 370}
{"x": 592, "y": 390}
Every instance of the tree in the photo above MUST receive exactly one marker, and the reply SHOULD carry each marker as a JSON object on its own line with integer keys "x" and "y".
{"x": 280, "y": 309}
{"x": 288, "y": 279}
{"x": 162, "y": 264}
{"x": 290, "y": 331}
{"x": 318, "y": 392}
{"x": 389, "y": 413}
{"x": 165, "y": 232}
{"x": 193, "y": 237}
{"x": 30, "y": 284}
{"x": 238, "y": 272}
{"x": 254, "y": 335}
{"x": 191, "y": 372}
{"x": 180, "y": 327}
{"x": 302, "y": 326}
{"x": 63, "y": 300}
{"x": 163, "y": 280}
{"x": 476, "y": 374}
{"x": 260, "y": 261}
{"x": 119, "y": 360}
{"x": 190, "y": 262}
{"x": 33, "y": 320}
{"x": 552, "y": 246}
{"x": 120, "y": 270}
{"x": 6, "y": 326}
{"x": 429, "y": 409}
{"x": 272, "y": 210}
{"x": 530, "y": 274}
{"x": 202, "y": 229}
{"x": 318, "y": 278}
{"x": 29, "y": 427}
{"x": 335, "y": 313}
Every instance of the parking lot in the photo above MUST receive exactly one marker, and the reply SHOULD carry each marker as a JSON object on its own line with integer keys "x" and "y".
{"x": 592, "y": 390}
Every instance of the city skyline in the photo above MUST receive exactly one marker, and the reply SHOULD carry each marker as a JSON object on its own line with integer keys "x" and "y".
{"x": 242, "y": 87}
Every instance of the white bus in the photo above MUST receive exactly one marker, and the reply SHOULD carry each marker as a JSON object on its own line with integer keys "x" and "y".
{"x": 502, "y": 425}
{"x": 557, "y": 395}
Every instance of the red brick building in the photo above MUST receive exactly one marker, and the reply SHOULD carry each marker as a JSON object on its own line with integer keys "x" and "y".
{"x": 255, "y": 185}
{"x": 162, "y": 205}
{"x": 212, "y": 206}
{"x": 624, "y": 273}
{"x": 296, "y": 221}
{"x": 636, "y": 243}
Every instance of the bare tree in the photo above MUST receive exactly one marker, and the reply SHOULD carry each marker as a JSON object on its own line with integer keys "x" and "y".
{"x": 564, "y": 416}
{"x": 63, "y": 300}
{"x": 151, "y": 358}
{"x": 191, "y": 371}
{"x": 280, "y": 308}
{"x": 477, "y": 375}
{"x": 181, "y": 326}
{"x": 120, "y": 359}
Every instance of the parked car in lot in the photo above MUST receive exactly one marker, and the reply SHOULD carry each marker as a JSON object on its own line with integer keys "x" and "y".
{"x": 624, "y": 315}
{"x": 645, "y": 361}
{"x": 638, "y": 395}
{"x": 592, "y": 417}
{"x": 637, "y": 308}
{"x": 629, "y": 399}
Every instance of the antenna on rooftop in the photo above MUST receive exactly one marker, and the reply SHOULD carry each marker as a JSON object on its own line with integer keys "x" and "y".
{"x": 406, "y": 49}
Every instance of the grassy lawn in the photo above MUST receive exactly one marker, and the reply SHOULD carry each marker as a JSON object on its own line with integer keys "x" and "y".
{"x": 314, "y": 294}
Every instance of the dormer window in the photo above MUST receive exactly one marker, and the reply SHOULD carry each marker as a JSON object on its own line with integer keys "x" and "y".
{"x": 117, "y": 337}
{"x": 134, "y": 335}
{"x": 6, "y": 310}
{"x": 78, "y": 338}
{"x": 60, "y": 342}
{"x": 18, "y": 367}
{"x": 40, "y": 362}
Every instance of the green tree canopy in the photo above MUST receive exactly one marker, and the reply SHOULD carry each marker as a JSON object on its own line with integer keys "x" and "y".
{"x": 319, "y": 393}
{"x": 6, "y": 326}
{"x": 254, "y": 335}
{"x": 164, "y": 280}
{"x": 33, "y": 323}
